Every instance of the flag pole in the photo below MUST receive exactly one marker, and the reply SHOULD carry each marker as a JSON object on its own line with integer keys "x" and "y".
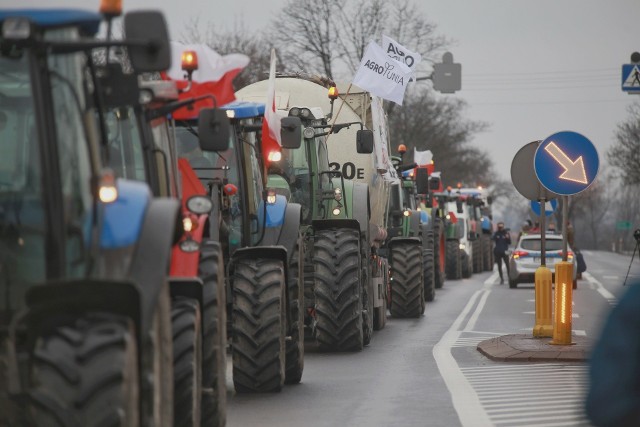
{"x": 339, "y": 109}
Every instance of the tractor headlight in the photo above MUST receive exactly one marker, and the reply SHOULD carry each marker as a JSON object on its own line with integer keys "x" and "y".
{"x": 309, "y": 132}
{"x": 337, "y": 194}
{"x": 462, "y": 246}
{"x": 189, "y": 245}
{"x": 406, "y": 212}
{"x": 271, "y": 197}
{"x": 336, "y": 211}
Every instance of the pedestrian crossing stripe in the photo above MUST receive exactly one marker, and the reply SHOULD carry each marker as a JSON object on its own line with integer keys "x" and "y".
{"x": 631, "y": 79}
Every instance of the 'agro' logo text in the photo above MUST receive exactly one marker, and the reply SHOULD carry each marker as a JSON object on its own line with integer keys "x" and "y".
{"x": 399, "y": 55}
{"x": 385, "y": 71}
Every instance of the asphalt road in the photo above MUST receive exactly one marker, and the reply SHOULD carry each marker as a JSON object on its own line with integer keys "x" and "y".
{"x": 427, "y": 371}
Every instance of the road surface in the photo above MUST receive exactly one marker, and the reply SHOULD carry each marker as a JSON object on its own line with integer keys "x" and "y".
{"x": 427, "y": 371}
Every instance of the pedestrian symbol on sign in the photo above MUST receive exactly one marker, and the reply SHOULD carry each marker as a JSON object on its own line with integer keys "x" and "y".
{"x": 632, "y": 79}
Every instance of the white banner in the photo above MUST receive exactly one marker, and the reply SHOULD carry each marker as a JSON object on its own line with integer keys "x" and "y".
{"x": 400, "y": 53}
{"x": 422, "y": 158}
{"x": 382, "y": 76}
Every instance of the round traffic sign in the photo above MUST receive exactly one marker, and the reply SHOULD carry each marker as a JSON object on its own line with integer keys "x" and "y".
{"x": 524, "y": 177}
{"x": 549, "y": 207}
{"x": 566, "y": 163}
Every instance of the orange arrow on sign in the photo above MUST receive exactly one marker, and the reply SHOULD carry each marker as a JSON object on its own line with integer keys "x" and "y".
{"x": 573, "y": 170}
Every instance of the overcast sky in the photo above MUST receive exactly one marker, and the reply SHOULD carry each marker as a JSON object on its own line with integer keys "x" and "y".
{"x": 529, "y": 68}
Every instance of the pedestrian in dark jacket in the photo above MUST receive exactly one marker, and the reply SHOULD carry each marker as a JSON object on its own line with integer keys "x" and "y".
{"x": 502, "y": 240}
{"x": 614, "y": 371}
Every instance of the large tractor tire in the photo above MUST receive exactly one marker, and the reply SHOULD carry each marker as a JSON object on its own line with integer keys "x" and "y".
{"x": 367, "y": 292}
{"x": 487, "y": 253}
{"x": 454, "y": 263}
{"x": 476, "y": 248}
{"x": 466, "y": 264}
{"x": 259, "y": 325}
{"x": 294, "y": 364}
{"x": 86, "y": 374}
{"x": 338, "y": 291}
{"x": 380, "y": 313}
{"x": 439, "y": 252}
{"x": 214, "y": 337}
{"x": 187, "y": 362}
{"x": 407, "y": 287}
{"x": 428, "y": 275}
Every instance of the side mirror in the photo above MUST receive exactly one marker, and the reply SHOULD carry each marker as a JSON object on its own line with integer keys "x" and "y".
{"x": 459, "y": 208}
{"x": 213, "y": 129}
{"x": 422, "y": 181}
{"x": 147, "y": 41}
{"x": 434, "y": 183}
{"x": 291, "y": 132}
{"x": 364, "y": 141}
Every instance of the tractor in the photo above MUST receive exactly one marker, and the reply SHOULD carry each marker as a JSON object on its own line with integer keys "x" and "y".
{"x": 85, "y": 315}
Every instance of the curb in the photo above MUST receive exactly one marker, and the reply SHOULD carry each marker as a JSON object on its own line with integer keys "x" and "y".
{"x": 526, "y": 348}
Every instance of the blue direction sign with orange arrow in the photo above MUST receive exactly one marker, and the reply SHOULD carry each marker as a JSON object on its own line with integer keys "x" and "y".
{"x": 566, "y": 163}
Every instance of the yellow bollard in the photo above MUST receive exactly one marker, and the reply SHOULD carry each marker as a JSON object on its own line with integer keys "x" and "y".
{"x": 563, "y": 304}
{"x": 544, "y": 322}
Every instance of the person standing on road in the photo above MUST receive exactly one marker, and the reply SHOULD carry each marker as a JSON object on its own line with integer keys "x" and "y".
{"x": 502, "y": 240}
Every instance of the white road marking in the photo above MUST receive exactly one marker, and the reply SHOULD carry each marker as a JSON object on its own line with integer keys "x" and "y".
{"x": 474, "y": 317}
{"x": 492, "y": 280}
{"x": 464, "y": 398}
{"x": 600, "y": 288}
{"x": 544, "y": 395}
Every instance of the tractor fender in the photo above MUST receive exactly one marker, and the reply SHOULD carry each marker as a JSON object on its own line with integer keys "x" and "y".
{"x": 190, "y": 287}
{"x": 324, "y": 224}
{"x": 414, "y": 223}
{"x": 287, "y": 233}
{"x": 132, "y": 203}
{"x": 361, "y": 208}
{"x": 150, "y": 263}
{"x": 396, "y": 240}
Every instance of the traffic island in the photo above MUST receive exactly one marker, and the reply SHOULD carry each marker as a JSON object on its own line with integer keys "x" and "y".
{"x": 526, "y": 348}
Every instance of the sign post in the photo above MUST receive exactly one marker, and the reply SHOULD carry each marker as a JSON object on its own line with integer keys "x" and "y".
{"x": 524, "y": 179}
{"x": 565, "y": 163}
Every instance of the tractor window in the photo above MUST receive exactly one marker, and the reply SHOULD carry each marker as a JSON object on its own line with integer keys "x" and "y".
{"x": 294, "y": 167}
{"x": 22, "y": 224}
{"x": 125, "y": 144}
{"x": 166, "y": 162}
{"x": 67, "y": 91}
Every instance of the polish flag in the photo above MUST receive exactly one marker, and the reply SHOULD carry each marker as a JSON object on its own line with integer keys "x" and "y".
{"x": 214, "y": 76}
{"x": 271, "y": 140}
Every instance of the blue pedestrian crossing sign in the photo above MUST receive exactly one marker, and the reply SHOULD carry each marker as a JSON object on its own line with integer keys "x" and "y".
{"x": 549, "y": 207}
{"x": 631, "y": 78}
{"x": 566, "y": 163}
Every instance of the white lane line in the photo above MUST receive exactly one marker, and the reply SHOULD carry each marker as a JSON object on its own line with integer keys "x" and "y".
{"x": 599, "y": 287}
{"x": 492, "y": 279}
{"x": 463, "y": 396}
{"x": 474, "y": 317}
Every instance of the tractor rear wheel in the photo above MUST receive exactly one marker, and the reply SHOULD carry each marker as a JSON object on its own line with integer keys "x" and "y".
{"x": 338, "y": 291}
{"x": 454, "y": 263}
{"x": 439, "y": 252}
{"x": 367, "y": 293}
{"x": 295, "y": 346}
{"x": 259, "y": 321}
{"x": 476, "y": 248}
{"x": 428, "y": 275}
{"x": 407, "y": 287}
{"x": 214, "y": 335}
{"x": 487, "y": 260}
{"x": 187, "y": 362}
{"x": 86, "y": 374}
{"x": 380, "y": 313}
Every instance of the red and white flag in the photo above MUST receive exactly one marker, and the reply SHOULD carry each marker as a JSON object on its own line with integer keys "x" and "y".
{"x": 214, "y": 76}
{"x": 271, "y": 140}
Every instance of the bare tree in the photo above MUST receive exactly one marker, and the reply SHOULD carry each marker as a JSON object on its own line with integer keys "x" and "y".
{"x": 306, "y": 34}
{"x": 625, "y": 153}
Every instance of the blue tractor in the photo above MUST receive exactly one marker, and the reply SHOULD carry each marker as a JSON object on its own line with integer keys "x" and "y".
{"x": 85, "y": 325}
{"x": 262, "y": 247}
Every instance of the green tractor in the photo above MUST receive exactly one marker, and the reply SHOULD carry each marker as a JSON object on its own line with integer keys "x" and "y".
{"x": 343, "y": 276}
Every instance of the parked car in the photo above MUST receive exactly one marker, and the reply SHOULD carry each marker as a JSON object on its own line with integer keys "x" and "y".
{"x": 525, "y": 258}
